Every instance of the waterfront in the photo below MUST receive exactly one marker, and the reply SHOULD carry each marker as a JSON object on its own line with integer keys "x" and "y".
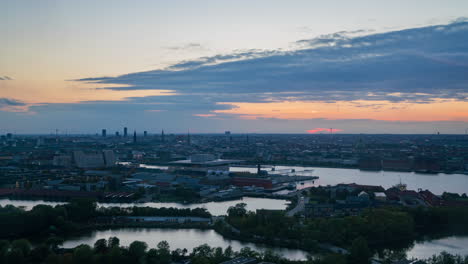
{"x": 456, "y": 245}
{"x": 215, "y": 208}
{"x": 178, "y": 238}
{"x": 436, "y": 183}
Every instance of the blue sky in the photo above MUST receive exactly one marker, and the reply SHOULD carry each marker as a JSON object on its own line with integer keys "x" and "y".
{"x": 244, "y": 66}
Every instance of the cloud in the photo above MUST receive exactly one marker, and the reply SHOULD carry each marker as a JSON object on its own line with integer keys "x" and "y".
{"x": 188, "y": 46}
{"x": 13, "y": 105}
{"x": 10, "y": 102}
{"x": 417, "y": 65}
{"x": 320, "y": 130}
{"x": 420, "y": 64}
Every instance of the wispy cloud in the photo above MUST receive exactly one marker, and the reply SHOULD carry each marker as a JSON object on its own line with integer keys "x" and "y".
{"x": 12, "y": 105}
{"x": 10, "y": 102}
{"x": 188, "y": 46}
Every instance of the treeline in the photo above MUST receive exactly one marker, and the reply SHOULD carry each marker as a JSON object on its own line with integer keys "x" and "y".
{"x": 149, "y": 211}
{"x": 45, "y": 220}
{"x": 378, "y": 226}
{"x": 440, "y": 219}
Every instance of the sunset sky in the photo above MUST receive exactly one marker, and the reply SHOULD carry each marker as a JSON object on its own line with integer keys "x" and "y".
{"x": 246, "y": 66}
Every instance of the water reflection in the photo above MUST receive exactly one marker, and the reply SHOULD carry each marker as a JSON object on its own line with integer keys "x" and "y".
{"x": 455, "y": 245}
{"x": 178, "y": 238}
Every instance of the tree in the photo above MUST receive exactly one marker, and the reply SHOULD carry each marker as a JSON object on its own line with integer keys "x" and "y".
{"x": 81, "y": 210}
{"x": 53, "y": 242}
{"x": 39, "y": 253}
{"x": 238, "y": 210}
{"x": 228, "y": 252}
{"x": 360, "y": 252}
{"x": 218, "y": 255}
{"x": 270, "y": 256}
{"x": 82, "y": 254}
{"x": 137, "y": 251}
{"x": 100, "y": 246}
{"x": 164, "y": 252}
{"x": 248, "y": 253}
{"x": 202, "y": 251}
{"x": 22, "y": 245}
{"x": 152, "y": 256}
{"x": 14, "y": 256}
{"x": 113, "y": 242}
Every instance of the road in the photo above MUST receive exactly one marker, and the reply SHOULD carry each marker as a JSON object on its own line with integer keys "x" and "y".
{"x": 301, "y": 202}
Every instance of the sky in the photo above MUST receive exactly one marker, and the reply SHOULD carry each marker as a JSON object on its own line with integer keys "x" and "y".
{"x": 363, "y": 66}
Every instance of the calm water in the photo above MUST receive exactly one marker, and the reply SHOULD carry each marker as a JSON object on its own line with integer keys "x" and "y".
{"x": 178, "y": 238}
{"x": 436, "y": 183}
{"x": 190, "y": 238}
{"x": 215, "y": 208}
{"x": 457, "y": 245}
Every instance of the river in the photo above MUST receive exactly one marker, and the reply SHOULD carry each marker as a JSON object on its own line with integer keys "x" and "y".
{"x": 215, "y": 208}
{"x": 436, "y": 183}
{"x": 178, "y": 238}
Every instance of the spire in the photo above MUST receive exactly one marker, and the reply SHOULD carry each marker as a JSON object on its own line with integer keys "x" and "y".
{"x": 188, "y": 137}
{"x": 162, "y": 135}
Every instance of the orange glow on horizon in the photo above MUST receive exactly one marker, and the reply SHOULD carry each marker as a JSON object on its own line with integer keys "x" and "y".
{"x": 320, "y": 129}
{"x": 437, "y": 110}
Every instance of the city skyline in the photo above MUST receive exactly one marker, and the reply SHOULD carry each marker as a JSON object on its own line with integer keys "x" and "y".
{"x": 294, "y": 69}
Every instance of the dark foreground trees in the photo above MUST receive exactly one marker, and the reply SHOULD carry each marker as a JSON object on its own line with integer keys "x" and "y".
{"x": 110, "y": 252}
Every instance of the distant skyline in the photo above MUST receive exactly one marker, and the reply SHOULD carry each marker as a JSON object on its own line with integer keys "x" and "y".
{"x": 244, "y": 66}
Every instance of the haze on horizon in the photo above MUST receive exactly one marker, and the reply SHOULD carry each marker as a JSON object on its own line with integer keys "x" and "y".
{"x": 244, "y": 66}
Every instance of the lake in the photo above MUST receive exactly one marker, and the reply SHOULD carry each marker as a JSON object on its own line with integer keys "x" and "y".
{"x": 190, "y": 238}
{"x": 178, "y": 238}
{"x": 456, "y": 245}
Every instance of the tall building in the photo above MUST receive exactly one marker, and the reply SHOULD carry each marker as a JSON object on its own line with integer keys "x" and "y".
{"x": 134, "y": 136}
{"x": 117, "y": 133}
{"x": 145, "y": 133}
{"x": 88, "y": 160}
{"x": 162, "y": 135}
{"x": 104, "y": 133}
{"x": 125, "y": 132}
{"x": 109, "y": 158}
